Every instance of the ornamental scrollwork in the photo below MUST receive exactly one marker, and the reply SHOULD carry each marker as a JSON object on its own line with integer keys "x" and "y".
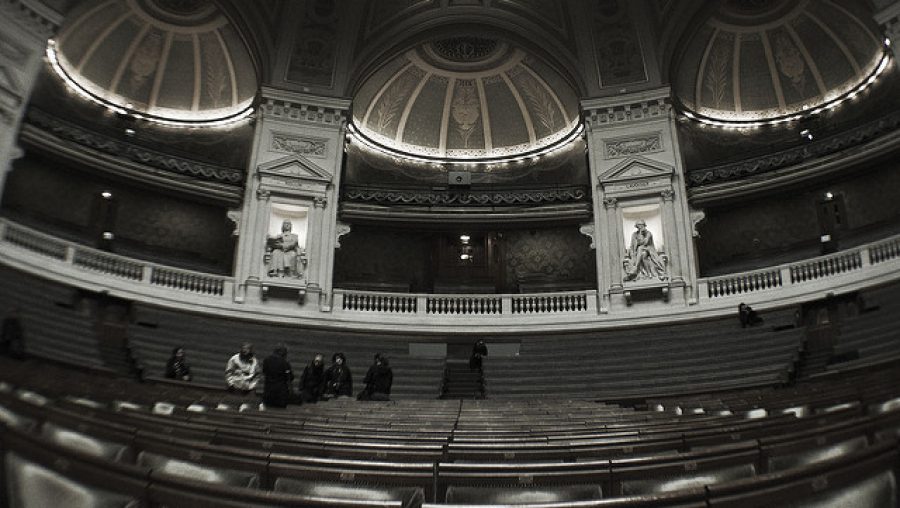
{"x": 474, "y": 198}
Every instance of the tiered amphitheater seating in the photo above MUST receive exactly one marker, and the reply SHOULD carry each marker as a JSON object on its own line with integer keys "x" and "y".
{"x": 842, "y": 452}
{"x": 57, "y": 324}
{"x": 872, "y": 336}
{"x": 704, "y": 355}
{"x": 209, "y": 342}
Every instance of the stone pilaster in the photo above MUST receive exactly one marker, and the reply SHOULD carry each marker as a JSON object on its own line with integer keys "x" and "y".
{"x": 295, "y": 169}
{"x": 637, "y": 171}
{"x": 25, "y": 27}
{"x": 889, "y": 19}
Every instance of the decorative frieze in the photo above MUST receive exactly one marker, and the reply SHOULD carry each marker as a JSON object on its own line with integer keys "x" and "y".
{"x": 473, "y": 198}
{"x": 160, "y": 160}
{"x": 340, "y": 229}
{"x": 796, "y": 155}
{"x": 626, "y": 147}
{"x": 299, "y": 145}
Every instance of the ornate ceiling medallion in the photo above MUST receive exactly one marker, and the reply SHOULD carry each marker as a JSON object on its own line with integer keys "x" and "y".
{"x": 465, "y": 49}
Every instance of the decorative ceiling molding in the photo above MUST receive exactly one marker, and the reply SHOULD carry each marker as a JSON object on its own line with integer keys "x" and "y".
{"x": 65, "y": 131}
{"x": 843, "y": 152}
{"x": 387, "y": 196}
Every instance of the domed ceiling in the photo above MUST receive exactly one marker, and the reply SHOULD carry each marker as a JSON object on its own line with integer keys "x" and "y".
{"x": 763, "y": 59}
{"x": 466, "y": 98}
{"x": 171, "y": 59}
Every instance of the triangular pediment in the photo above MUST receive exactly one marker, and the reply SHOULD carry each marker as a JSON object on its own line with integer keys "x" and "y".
{"x": 636, "y": 168}
{"x": 295, "y": 166}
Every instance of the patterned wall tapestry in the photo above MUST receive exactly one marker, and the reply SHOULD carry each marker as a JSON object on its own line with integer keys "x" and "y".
{"x": 370, "y": 256}
{"x": 149, "y": 225}
{"x": 557, "y": 255}
{"x": 785, "y": 227}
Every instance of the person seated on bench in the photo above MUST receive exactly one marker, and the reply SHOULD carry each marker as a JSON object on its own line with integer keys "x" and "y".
{"x": 748, "y": 316}
{"x": 338, "y": 381}
{"x": 177, "y": 367}
{"x": 378, "y": 380}
{"x": 312, "y": 381}
{"x": 242, "y": 370}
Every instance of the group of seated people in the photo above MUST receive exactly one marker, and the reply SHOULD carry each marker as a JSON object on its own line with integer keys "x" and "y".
{"x": 243, "y": 373}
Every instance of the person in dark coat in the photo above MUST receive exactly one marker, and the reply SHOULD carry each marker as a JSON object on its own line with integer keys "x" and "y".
{"x": 312, "y": 381}
{"x": 338, "y": 381}
{"x": 479, "y": 350}
{"x": 378, "y": 380}
{"x": 748, "y": 316}
{"x": 12, "y": 336}
{"x": 278, "y": 377}
{"x": 177, "y": 367}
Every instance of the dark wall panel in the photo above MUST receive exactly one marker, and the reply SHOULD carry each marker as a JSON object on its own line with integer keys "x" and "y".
{"x": 785, "y": 227}
{"x": 148, "y": 224}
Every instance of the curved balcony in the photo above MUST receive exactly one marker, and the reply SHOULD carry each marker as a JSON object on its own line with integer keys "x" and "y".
{"x": 46, "y": 256}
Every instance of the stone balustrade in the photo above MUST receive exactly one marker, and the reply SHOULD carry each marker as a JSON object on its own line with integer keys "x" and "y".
{"x": 47, "y": 256}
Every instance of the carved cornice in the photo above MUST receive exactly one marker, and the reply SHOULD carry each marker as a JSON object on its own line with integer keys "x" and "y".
{"x": 303, "y": 108}
{"x": 442, "y": 215}
{"x": 32, "y": 15}
{"x": 623, "y": 109}
{"x": 387, "y": 196}
{"x": 797, "y": 155}
{"x": 92, "y": 140}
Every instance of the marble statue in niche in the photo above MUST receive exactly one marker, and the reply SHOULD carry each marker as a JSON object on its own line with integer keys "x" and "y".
{"x": 284, "y": 255}
{"x": 642, "y": 261}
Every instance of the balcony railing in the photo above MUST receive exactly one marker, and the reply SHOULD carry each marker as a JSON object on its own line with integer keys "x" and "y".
{"x": 43, "y": 254}
{"x": 112, "y": 265}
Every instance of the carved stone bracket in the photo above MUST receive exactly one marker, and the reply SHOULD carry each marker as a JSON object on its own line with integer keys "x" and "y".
{"x": 235, "y": 217}
{"x": 668, "y": 195}
{"x": 263, "y": 195}
{"x": 588, "y": 231}
{"x": 320, "y": 202}
{"x": 341, "y": 229}
{"x": 697, "y": 216}
{"x": 610, "y": 203}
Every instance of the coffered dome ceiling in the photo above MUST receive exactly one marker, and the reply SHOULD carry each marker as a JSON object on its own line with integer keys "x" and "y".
{"x": 466, "y": 98}
{"x": 171, "y": 59}
{"x": 763, "y": 59}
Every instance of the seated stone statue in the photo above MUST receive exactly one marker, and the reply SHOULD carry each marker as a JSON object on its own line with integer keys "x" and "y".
{"x": 642, "y": 261}
{"x": 284, "y": 256}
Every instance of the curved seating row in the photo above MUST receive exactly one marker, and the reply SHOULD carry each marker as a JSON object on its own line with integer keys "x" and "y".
{"x": 472, "y": 452}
